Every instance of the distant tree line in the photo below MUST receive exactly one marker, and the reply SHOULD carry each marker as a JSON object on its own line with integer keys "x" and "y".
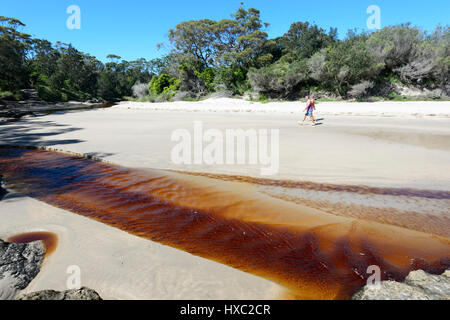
{"x": 60, "y": 72}
{"x": 235, "y": 57}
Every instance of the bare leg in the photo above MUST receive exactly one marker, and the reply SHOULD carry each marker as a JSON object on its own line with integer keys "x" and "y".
{"x": 313, "y": 119}
{"x": 304, "y": 118}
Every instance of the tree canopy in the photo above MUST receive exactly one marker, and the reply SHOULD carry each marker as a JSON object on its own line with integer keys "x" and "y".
{"x": 235, "y": 56}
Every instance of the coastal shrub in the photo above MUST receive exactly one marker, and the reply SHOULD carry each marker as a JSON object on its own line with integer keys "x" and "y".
{"x": 361, "y": 89}
{"x": 165, "y": 96}
{"x": 50, "y": 94}
{"x": 305, "y": 39}
{"x": 157, "y": 84}
{"x": 280, "y": 80}
{"x": 394, "y": 45}
{"x": 232, "y": 78}
{"x": 182, "y": 95}
{"x": 207, "y": 76}
{"x": 396, "y": 97}
{"x": 316, "y": 65}
{"x": 8, "y": 95}
{"x": 140, "y": 90}
{"x": 348, "y": 63}
{"x": 221, "y": 92}
{"x": 429, "y": 62}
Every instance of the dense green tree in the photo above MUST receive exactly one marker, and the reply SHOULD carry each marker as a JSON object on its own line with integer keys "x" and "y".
{"x": 14, "y": 46}
{"x": 281, "y": 79}
{"x": 304, "y": 39}
{"x": 347, "y": 63}
{"x": 231, "y": 46}
{"x": 196, "y": 38}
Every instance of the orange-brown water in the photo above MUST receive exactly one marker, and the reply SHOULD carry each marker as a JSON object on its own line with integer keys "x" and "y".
{"x": 415, "y": 209}
{"x": 49, "y": 239}
{"x": 315, "y": 255}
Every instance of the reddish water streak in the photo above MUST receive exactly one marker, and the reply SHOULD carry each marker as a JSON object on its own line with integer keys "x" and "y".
{"x": 315, "y": 254}
{"x": 49, "y": 239}
{"x": 397, "y": 216}
{"x": 307, "y": 185}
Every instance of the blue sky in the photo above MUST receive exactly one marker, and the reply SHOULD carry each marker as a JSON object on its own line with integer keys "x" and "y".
{"x": 133, "y": 28}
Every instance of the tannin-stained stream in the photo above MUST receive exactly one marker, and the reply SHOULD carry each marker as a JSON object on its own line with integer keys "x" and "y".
{"x": 315, "y": 255}
{"x": 49, "y": 239}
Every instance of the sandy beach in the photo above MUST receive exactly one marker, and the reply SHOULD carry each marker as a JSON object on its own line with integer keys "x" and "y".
{"x": 402, "y": 150}
{"x": 386, "y": 108}
{"x": 390, "y": 145}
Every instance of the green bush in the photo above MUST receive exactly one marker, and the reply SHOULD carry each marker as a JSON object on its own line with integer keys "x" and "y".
{"x": 207, "y": 76}
{"x": 50, "y": 94}
{"x": 12, "y": 96}
{"x": 279, "y": 80}
{"x": 163, "y": 83}
{"x": 233, "y": 78}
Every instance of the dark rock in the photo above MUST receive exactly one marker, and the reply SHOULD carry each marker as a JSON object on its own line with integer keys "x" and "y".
{"x": 19, "y": 265}
{"x": 30, "y": 94}
{"x": 77, "y": 294}
{"x": 3, "y": 190}
{"x": 418, "y": 285}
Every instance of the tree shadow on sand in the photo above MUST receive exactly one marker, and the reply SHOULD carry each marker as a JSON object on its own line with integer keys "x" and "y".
{"x": 21, "y": 133}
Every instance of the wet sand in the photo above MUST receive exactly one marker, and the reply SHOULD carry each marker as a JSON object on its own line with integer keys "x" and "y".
{"x": 119, "y": 265}
{"x": 313, "y": 254}
{"x": 355, "y": 150}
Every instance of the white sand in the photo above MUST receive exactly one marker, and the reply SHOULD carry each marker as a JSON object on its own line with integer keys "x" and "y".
{"x": 406, "y": 149}
{"x": 404, "y": 109}
{"x": 369, "y": 150}
{"x": 119, "y": 265}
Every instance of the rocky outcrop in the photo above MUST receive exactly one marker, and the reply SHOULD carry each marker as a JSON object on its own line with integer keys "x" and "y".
{"x": 418, "y": 285}
{"x": 19, "y": 264}
{"x": 3, "y": 190}
{"x": 77, "y": 294}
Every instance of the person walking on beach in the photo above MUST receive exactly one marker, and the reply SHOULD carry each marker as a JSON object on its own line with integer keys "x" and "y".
{"x": 309, "y": 110}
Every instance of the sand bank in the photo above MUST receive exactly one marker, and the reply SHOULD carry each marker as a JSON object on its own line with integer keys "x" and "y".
{"x": 122, "y": 266}
{"x": 375, "y": 151}
{"x": 388, "y": 108}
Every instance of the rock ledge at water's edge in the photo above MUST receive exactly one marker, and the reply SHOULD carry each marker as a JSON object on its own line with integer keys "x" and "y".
{"x": 19, "y": 265}
{"x": 418, "y": 285}
{"x": 76, "y": 294}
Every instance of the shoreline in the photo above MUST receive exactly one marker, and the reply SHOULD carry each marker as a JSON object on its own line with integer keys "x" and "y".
{"x": 411, "y": 109}
{"x": 14, "y": 111}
